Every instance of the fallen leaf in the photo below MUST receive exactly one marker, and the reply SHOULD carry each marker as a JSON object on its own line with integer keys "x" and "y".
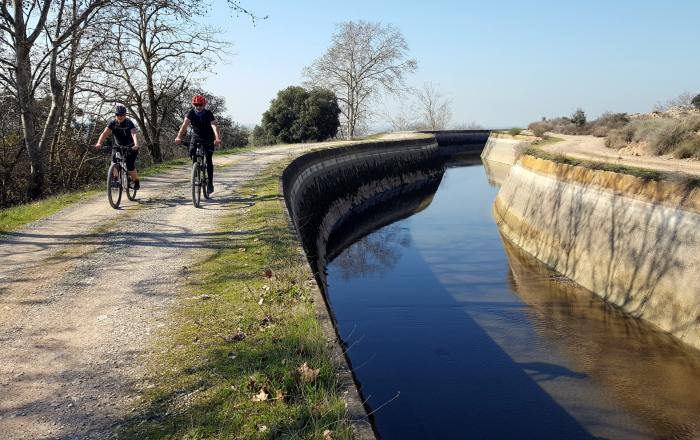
{"x": 261, "y": 301}
{"x": 257, "y": 239}
{"x": 281, "y": 396}
{"x": 306, "y": 374}
{"x": 257, "y": 252}
{"x": 260, "y": 397}
{"x": 267, "y": 274}
{"x": 262, "y": 428}
{"x": 242, "y": 249}
{"x": 327, "y": 434}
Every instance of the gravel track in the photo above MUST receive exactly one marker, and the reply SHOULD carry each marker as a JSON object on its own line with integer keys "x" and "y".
{"x": 83, "y": 292}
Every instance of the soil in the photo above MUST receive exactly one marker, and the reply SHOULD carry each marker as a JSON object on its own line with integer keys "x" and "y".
{"x": 83, "y": 294}
{"x": 590, "y": 147}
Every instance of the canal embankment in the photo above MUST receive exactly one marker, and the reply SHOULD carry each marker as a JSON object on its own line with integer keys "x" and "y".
{"x": 634, "y": 242}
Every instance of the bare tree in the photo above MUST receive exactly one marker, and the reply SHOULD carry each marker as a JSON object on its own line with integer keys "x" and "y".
{"x": 25, "y": 67}
{"x": 159, "y": 49}
{"x": 364, "y": 62}
{"x": 435, "y": 113}
{"x": 683, "y": 101}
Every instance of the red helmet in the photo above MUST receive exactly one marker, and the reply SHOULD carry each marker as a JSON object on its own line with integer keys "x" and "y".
{"x": 199, "y": 99}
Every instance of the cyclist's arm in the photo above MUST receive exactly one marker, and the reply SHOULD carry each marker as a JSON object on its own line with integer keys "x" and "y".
{"x": 134, "y": 134}
{"x": 102, "y": 138}
{"x": 182, "y": 131}
{"x": 216, "y": 132}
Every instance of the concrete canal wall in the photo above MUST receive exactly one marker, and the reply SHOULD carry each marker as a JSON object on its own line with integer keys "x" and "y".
{"x": 635, "y": 243}
{"x": 459, "y": 141}
{"x": 504, "y": 148}
{"x": 322, "y": 190}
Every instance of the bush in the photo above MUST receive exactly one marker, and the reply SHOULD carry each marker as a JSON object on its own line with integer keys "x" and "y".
{"x": 666, "y": 137}
{"x": 515, "y": 131}
{"x": 298, "y": 115}
{"x": 690, "y": 147}
{"x": 578, "y": 117}
{"x": 696, "y": 101}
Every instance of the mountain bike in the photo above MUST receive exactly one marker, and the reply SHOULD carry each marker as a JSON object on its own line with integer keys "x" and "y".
{"x": 200, "y": 176}
{"x": 123, "y": 179}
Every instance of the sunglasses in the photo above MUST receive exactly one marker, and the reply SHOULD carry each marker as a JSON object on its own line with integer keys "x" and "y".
{"x": 121, "y": 114}
{"x": 199, "y": 105}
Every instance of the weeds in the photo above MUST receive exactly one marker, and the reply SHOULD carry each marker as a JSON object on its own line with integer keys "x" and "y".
{"x": 244, "y": 357}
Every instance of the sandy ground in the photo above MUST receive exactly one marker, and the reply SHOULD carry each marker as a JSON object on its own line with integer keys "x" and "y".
{"x": 590, "y": 147}
{"x": 84, "y": 292}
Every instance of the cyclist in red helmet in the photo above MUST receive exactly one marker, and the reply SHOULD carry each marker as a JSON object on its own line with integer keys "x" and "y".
{"x": 204, "y": 127}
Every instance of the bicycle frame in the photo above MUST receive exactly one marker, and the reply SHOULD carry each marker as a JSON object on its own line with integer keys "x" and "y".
{"x": 200, "y": 177}
{"x": 124, "y": 179}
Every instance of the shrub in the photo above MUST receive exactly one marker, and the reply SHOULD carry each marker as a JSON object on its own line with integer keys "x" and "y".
{"x": 690, "y": 147}
{"x": 696, "y": 101}
{"x": 538, "y": 130}
{"x": 666, "y": 137}
{"x": 578, "y": 117}
{"x": 621, "y": 137}
{"x": 515, "y": 131}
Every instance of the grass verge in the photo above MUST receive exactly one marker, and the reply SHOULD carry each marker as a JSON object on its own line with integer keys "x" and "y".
{"x": 549, "y": 140}
{"x": 677, "y": 178}
{"x": 18, "y": 216}
{"x": 244, "y": 357}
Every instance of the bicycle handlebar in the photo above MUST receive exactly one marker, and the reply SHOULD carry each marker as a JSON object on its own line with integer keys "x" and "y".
{"x": 199, "y": 141}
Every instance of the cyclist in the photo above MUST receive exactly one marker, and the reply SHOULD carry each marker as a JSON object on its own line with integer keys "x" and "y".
{"x": 126, "y": 135}
{"x": 204, "y": 127}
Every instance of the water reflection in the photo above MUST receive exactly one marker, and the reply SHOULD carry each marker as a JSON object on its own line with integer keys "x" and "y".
{"x": 650, "y": 373}
{"x": 496, "y": 172}
{"x": 482, "y": 341}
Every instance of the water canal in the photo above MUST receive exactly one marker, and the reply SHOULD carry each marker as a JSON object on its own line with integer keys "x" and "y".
{"x": 479, "y": 340}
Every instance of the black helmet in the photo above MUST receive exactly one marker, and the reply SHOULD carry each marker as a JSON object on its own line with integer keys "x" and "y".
{"x": 119, "y": 110}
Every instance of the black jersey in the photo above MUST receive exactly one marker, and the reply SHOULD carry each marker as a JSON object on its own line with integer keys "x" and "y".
{"x": 122, "y": 132}
{"x": 201, "y": 125}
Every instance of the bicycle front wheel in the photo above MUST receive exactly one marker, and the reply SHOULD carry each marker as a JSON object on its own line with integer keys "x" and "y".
{"x": 130, "y": 191}
{"x": 205, "y": 181}
{"x": 114, "y": 186}
{"x": 196, "y": 185}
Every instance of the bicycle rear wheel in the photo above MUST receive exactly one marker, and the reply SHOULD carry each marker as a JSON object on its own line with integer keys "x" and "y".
{"x": 114, "y": 187}
{"x": 205, "y": 181}
{"x": 196, "y": 185}
{"x": 130, "y": 191}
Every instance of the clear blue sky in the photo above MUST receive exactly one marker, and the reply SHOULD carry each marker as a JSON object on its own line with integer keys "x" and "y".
{"x": 504, "y": 63}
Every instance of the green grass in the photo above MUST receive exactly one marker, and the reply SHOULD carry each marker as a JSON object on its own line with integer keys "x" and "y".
{"x": 603, "y": 166}
{"x": 549, "y": 140}
{"x": 236, "y": 333}
{"x": 18, "y": 216}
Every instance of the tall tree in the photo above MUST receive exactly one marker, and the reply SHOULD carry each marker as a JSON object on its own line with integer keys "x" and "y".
{"x": 159, "y": 49}
{"x": 298, "y": 115}
{"x": 364, "y": 62}
{"x": 25, "y": 67}
{"x": 434, "y": 113}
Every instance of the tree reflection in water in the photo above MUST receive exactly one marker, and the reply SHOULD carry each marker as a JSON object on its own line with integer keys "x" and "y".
{"x": 376, "y": 253}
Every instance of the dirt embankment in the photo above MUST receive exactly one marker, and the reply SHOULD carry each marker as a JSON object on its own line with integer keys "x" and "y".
{"x": 590, "y": 147}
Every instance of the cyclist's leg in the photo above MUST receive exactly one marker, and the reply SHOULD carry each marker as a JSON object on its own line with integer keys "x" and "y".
{"x": 193, "y": 152}
{"x": 131, "y": 167}
{"x": 114, "y": 160}
{"x": 210, "y": 169}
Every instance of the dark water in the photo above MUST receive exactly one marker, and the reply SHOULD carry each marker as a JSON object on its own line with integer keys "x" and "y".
{"x": 483, "y": 342}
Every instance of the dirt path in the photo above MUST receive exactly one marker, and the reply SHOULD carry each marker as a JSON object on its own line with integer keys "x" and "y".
{"x": 589, "y": 147}
{"x": 83, "y": 292}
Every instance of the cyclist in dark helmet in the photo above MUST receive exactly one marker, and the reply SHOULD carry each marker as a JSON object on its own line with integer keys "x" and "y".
{"x": 126, "y": 135}
{"x": 204, "y": 127}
